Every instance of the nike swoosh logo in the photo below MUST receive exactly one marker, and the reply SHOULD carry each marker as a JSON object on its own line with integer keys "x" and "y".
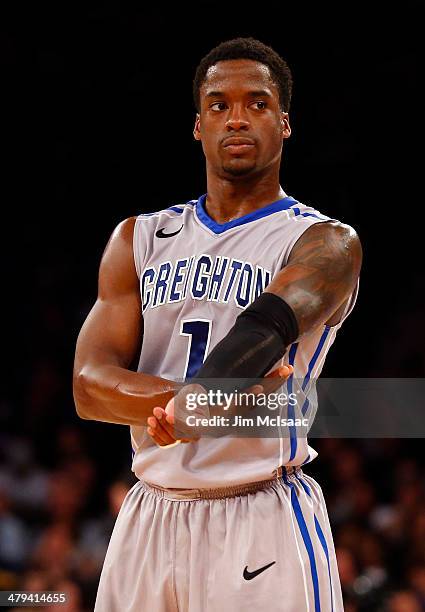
{"x": 160, "y": 233}
{"x": 250, "y": 575}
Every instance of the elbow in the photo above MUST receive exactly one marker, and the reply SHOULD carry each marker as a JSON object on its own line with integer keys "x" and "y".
{"x": 81, "y": 395}
{"x": 82, "y": 412}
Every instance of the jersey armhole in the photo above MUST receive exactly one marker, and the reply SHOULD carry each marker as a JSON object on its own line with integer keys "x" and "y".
{"x": 349, "y": 306}
{"x": 138, "y": 253}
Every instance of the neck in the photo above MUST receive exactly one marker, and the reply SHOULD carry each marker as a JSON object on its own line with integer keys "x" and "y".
{"x": 229, "y": 199}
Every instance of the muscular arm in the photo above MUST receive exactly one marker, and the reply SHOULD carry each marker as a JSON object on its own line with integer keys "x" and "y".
{"x": 321, "y": 273}
{"x": 104, "y": 388}
{"x": 310, "y": 290}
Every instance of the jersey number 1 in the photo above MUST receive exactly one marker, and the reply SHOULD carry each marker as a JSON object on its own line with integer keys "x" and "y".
{"x": 198, "y": 331}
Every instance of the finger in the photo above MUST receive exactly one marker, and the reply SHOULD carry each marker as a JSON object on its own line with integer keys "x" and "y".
{"x": 154, "y": 437}
{"x": 176, "y": 425}
{"x": 283, "y": 371}
{"x": 158, "y": 438}
{"x": 286, "y": 371}
{"x": 160, "y": 442}
{"x": 159, "y": 431}
{"x": 161, "y": 417}
{"x": 273, "y": 374}
{"x": 173, "y": 425}
{"x": 278, "y": 377}
{"x": 158, "y": 412}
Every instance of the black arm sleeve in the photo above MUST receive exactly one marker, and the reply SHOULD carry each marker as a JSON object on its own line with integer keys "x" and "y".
{"x": 259, "y": 338}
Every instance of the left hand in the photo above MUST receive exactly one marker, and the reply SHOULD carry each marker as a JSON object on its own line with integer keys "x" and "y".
{"x": 162, "y": 425}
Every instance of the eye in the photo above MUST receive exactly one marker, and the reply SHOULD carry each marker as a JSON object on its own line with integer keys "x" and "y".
{"x": 259, "y": 105}
{"x": 218, "y": 106}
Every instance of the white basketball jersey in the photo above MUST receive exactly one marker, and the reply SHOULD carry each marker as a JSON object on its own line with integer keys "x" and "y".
{"x": 196, "y": 277}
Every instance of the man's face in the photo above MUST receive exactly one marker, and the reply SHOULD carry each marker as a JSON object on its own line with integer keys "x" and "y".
{"x": 240, "y": 122}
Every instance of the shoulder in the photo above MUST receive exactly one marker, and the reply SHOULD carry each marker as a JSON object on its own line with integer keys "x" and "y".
{"x": 117, "y": 259}
{"x": 318, "y": 224}
{"x": 331, "y": 240}
{"x": 335, "y": 231}
{"x": 121, "y": 237}
{"x": 311, "y": 226}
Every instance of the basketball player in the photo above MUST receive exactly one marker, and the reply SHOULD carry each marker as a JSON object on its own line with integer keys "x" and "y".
{"x": 243, "y": 281}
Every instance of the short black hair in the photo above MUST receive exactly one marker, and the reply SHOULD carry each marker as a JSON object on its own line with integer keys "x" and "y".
{"x": 247, "y": 48}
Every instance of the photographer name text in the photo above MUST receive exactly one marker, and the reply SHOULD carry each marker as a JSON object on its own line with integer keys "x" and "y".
{"x": 239, "y": 421}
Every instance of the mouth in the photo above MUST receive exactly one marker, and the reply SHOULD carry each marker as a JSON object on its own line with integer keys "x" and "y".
{"x": 237, "y": 145}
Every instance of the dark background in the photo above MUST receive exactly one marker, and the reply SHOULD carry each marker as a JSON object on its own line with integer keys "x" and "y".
{"x": 97, "y": 126}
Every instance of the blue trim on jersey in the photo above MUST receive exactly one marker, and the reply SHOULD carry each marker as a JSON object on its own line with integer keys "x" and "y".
{"x": 305, "y": 406}
{"x": 219, "y": 228}
{"x": 312, "y": 364}
{"x": 325, "y": 548}
{"x": 321, "y": 537}
{"x": 291, "y": 409}
{"x": 315, "y": 356}
{"x": 296, "y": 211}
{"x": 177, "y": 210}
{"x": 302, "y": 525}
{"x": 312, "y": 215}
{"x": 306, "y": 460}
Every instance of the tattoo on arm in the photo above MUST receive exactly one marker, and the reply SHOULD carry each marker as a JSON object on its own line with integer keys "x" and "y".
{"x": 321, "y": 273}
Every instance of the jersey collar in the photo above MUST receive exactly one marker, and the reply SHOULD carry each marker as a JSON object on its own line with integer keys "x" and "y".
{"x": 219, "y": 228}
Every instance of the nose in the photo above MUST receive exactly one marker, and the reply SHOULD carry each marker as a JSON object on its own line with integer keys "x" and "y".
{"x": 237, "y": 120}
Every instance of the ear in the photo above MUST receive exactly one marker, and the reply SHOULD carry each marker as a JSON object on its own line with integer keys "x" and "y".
{"x": 284, "y": 122}
{"x": 197, "y": 128}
